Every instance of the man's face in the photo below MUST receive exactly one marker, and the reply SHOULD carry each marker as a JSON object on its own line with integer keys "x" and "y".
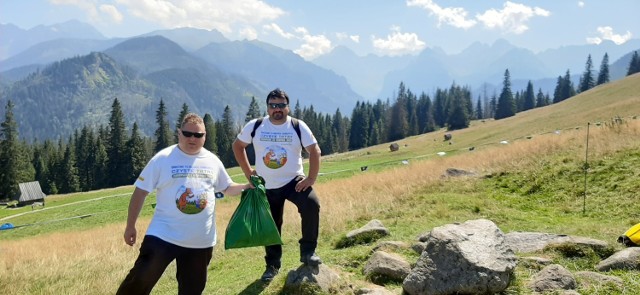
{"x": 188, "y": 139}
{"x": 278, "y": 109}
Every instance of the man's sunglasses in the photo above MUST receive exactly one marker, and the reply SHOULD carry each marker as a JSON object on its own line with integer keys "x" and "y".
{"x": 277, "y": 105}
{"x": 190, "y": 134}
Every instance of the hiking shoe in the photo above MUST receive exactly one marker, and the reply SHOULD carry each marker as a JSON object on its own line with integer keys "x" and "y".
{"x": 311, "y": 259}
{"x": 269, "y": 273}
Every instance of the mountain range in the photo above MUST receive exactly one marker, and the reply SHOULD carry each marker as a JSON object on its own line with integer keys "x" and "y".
{"x": 209, "y": 72}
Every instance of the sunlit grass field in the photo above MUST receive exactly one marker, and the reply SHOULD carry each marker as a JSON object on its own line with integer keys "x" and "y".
{"x": 537, "y": 181}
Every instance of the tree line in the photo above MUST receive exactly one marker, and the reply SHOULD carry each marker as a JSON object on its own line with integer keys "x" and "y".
{"x": 112, "y": 156}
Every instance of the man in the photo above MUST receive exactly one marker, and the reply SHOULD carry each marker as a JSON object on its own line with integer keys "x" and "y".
{"x": 186, "y": 177}
{"x": 278, "y": 157}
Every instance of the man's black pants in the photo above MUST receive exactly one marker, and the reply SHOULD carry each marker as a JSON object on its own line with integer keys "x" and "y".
{"x": 155, "y": 256}
{"x": 309, "y": 208}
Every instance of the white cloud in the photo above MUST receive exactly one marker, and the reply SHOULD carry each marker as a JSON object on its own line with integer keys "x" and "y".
{"x": 276, "y": 29}
{"x": 96, "y": 13}
{"x": 221, "y": 15}
{"x": 248, "y": 33}
{"x": 112, "y": 12}
{"x": 313, "y": 45}
{"x": 345, "y": 36}
{"x": 606, "y": 33}
{"x": 398, "y": 43}
{"x": 594, "y": 40}
{"x": 454, "y": 16}
{"x": 512, "y": 18}
{"x": 580, "y": 4}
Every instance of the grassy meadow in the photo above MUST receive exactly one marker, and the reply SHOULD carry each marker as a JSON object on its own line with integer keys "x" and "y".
{"x": 535, "y": 182}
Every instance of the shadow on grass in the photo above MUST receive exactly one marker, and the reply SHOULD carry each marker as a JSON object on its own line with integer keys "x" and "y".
{"x": 254, "y": 288}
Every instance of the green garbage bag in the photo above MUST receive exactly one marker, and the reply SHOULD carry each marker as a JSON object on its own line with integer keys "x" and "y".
{"x": 251, "y": 224}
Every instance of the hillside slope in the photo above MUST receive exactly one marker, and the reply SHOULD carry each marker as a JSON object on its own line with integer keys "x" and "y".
{"x": 527, "y": 185}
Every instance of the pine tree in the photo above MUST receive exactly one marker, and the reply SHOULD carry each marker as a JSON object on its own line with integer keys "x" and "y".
{"x": 9, "y": 154}
{"x": 359, "y": 129}
{"x": 564, "y": 88}
{"x": 399, "y": 124}
{"x": 137, "y": 154}
{"x": 557, "y": 92}
{"x": 459, "y": 108}
{"x": 163, "y": 133}
{"x": 183, "y": 113}
{"x": 40, "y": 158}
{"x": 340, "y": 124}
{"x": 458, "y": 118}
{"x": 439, "y": 111}
{"x": 518, "y": 101}
{"x": 493, "y": 106}
{"x": 210, "y": 127}
{"x": 506, "y": 105}
{"x": 603, "y": 75}
{"x": 541, "y": 99}
{"x": 254, "y": 110}
{"x": 529, "y": 97}
{"x": 297, "y": 112}
{"x": 568, "y": 90}
{"x": 412, "y": 114}
{"x": 225, "y": 136}
{"x": 425, "y": 114}
{"x": 327, "y": 136}
{"x": 116, "y": 150}
{"x": 252, "y": 113}
{"x": 587, "y": 82}
{"x": 69, "y": 177}
{"x": 479, "y": 112}
{"x": 100, "y": 164}
{"x": 634, "y": 64}
{"x": 84, "y": 161}
{"x": 53, "y": 166}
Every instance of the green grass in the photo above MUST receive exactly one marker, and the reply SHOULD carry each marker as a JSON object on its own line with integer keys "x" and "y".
{"x": 544, "y": 194}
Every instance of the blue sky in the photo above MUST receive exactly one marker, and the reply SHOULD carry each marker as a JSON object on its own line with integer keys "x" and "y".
{"x": 381, "y": 27}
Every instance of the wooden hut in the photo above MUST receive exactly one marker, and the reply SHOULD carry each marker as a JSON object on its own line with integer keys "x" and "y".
{"x": 30, "y": 192}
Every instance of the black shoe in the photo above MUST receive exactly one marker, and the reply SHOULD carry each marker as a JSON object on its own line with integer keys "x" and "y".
{"x": 311, "y": 259}
{"x": 269, "y": 273}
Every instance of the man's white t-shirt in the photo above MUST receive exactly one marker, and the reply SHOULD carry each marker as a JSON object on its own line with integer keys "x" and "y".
{"x": 185, "y": 191}
{"x": 277, "y": 149}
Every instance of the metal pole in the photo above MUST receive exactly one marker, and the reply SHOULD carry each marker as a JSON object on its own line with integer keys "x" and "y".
{"x": 586, "y": 168}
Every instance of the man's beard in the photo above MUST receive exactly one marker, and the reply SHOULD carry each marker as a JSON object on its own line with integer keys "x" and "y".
{"x": 278, "y": 116}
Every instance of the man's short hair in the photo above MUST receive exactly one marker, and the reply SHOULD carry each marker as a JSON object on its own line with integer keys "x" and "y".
{"x": 192, "y": 118}
{"x": 277, "y": 93}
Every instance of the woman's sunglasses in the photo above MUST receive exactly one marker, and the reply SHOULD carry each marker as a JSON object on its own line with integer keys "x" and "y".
{"x": 190, "y": 134}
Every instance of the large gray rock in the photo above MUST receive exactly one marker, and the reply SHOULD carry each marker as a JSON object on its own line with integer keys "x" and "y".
{"x": 390, "y": 246}
{"x": 374, "y": 226}
{"x": 627, "y": 259}
{"x": 553, "y": 277}
{"x": 386, "y": 266}
{"x": 469, "y": 258}
{"x": 527, "y": 242}
{"x": 592, "y": 279}
{"x": 312, "y": 280}
{"x": 373, "y": 291}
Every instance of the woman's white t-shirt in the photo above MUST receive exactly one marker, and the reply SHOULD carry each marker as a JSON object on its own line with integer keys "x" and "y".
{"x": 185, "y": 191}
{"x": 277, "y": 149}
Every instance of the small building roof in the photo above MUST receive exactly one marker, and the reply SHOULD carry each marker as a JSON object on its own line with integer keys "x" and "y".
{"x": 30, "y": 191}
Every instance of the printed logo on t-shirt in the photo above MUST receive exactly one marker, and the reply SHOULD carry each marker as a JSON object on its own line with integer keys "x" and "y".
{"x": 274, "y": 156}
{"x": 192, "y": 197}
{"x": 191, "y": 201}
